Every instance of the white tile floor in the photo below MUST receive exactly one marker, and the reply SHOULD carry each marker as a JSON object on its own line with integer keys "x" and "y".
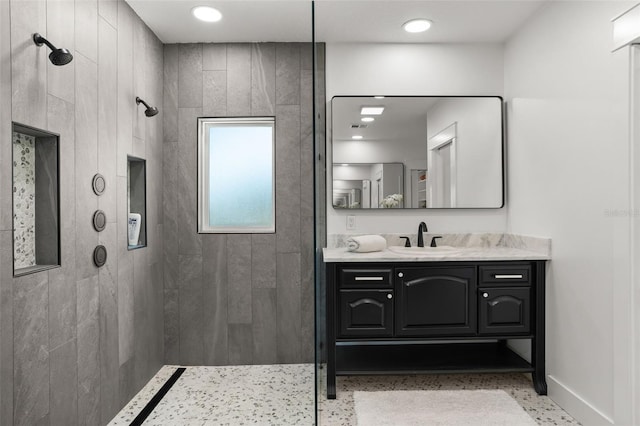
{"x": 283, "y": 395}
{"x": 235, "y": 395}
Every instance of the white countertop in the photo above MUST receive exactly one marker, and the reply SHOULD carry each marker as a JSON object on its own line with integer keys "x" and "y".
{"x": 460, "y": 254}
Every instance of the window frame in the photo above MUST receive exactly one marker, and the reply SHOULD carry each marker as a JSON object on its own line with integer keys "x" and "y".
{"x": 203, "y": 212}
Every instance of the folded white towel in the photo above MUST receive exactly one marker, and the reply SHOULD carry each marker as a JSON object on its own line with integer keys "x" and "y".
{"x": 366, "y": 243}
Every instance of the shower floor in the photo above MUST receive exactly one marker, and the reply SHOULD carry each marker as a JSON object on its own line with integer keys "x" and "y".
{"x": 232, "y": 395}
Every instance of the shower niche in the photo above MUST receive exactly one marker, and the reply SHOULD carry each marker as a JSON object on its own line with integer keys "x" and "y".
{"x": 36, "y": 195}
{"x": 137, "y": 203}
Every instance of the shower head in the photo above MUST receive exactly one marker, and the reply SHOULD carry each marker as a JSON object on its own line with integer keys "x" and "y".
{"x": 150, "y": 111}
{"x": 57, "y": 56}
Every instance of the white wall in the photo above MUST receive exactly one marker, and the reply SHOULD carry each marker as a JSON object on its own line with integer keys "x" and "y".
{"x": 413, "y": 69}
{"x": 568, "y": 178}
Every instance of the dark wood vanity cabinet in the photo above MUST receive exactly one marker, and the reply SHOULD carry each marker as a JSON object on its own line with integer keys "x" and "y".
{"x": 426, "y": 317}
{"x": 433, "y": 301}
{"x": 366, "y": 313}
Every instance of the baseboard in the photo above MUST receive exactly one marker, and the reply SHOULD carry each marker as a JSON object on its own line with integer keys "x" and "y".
{"x": 573, "y": 404}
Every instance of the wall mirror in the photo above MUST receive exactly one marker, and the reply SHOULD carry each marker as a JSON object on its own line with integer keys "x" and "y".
{"x": 417, "y": 152}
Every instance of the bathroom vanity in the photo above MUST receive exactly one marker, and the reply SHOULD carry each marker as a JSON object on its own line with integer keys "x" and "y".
{"x": 390, "y": 313}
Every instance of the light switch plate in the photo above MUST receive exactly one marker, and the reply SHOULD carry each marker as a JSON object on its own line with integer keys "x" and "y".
{"x": 351, "y": 222}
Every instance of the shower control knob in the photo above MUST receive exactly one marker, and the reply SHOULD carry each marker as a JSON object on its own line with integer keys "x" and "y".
{"x": 400, "y": 274}
{"x": 389, "y": 296}
{"x": 485, "y": 294}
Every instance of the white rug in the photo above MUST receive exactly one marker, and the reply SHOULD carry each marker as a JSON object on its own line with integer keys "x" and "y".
{"x": 439, "y": 407}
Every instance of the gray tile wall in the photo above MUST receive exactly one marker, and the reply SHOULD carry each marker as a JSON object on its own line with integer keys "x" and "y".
{"x": 239, "y": 298}
{"x": 78, "y": 342}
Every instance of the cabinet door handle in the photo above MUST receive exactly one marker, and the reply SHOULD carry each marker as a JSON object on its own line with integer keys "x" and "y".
{"x": 389, "y": 296}
{"x": 485, "y": 294}
{"x": 369, "y": 278}
{"x": 400, "y": 274}
{"x": 507, "y": 276}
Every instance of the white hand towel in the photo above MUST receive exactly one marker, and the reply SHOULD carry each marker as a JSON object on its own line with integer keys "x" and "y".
{"x": 366, "y": 243}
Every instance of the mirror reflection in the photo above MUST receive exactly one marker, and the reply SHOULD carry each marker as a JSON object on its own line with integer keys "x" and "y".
{"x": 368, "y": 186}
{"x": 417, "y": 152}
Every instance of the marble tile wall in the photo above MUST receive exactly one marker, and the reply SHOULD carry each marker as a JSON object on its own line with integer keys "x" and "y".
{"x": 239, "y": 298}
{"x": 77, "y": 342}
{"x": 24, "y": 202}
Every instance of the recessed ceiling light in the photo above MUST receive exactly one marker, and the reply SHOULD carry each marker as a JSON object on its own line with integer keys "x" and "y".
{"x": 379, "y": 97}
{"x": 206, "y": 13}
{"x": 371, "y": 110}
{"x": 356, "y": 137}
{"x": 367, "y": 119}
{"x": 417, "y": 25}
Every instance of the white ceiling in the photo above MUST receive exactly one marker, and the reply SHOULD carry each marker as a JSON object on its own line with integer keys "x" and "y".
{"x": 454, "y": 21}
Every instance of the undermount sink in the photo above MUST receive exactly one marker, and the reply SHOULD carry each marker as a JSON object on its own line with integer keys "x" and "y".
{"x": 423, "y": 251}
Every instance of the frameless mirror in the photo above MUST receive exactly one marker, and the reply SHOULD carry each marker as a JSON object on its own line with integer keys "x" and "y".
{"x": 417, "y": 152}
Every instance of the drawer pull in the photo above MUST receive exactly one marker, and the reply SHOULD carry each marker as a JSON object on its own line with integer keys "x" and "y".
{"x": 507, "y": 276}
{"x": 389, "y": 296}
{"x": 369, "y": 278}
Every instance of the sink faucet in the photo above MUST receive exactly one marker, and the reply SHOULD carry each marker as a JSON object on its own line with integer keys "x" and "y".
{"x": 421, "y": 228}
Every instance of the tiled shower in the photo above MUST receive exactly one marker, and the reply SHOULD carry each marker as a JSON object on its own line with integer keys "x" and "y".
{"x": 239, "y": 298}
{"x": 77, "y": 342}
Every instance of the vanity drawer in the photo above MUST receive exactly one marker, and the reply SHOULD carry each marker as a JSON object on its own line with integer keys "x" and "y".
{"x": 510, "y": 275}
{"x": 351, "y": 277}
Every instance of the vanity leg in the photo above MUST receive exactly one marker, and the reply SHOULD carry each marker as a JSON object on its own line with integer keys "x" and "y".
{"x": 331, "y": 333}
{"x": 331, "y": 382}
{"x": 538, "y": 341}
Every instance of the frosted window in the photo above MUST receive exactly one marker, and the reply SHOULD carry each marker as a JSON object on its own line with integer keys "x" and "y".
{"x": 236, "y": 175}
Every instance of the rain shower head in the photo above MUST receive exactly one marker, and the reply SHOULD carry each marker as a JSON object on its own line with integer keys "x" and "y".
{"x": 57, "y": 56}
{"x": 150, "y": 111}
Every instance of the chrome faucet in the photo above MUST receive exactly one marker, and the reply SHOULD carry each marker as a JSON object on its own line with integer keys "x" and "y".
{"x": 421, "y": 228}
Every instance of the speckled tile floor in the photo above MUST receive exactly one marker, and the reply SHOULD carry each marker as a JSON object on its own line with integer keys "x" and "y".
{"x": 340, "y": 411}
{"x": 233, "y": 395}
{"x": 284, "y": 395}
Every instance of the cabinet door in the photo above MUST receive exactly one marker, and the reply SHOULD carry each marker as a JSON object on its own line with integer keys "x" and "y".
{"x": 365, "y": 313}
{"x": 433, "y": 301}
{"x": 504, "y": 310}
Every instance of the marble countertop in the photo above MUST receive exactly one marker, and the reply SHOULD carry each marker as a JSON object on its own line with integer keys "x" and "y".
{"x": 467, "y": 246}
{"x": 460, "y": 254}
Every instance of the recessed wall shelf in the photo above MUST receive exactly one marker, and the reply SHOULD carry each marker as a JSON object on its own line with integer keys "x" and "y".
{"x": 36, "y": 195}
{"x": 137, "y": 203}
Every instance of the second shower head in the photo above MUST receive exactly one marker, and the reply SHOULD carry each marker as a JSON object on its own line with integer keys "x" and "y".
{"x": 150, "y": 111}
{"x": 57, "y": 56}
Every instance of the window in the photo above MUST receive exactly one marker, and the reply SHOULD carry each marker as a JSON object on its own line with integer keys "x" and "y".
{"x": 236, "y": 178}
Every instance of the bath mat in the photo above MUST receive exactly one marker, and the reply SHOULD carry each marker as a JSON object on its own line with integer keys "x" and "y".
{"x": 440, "y": 407}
